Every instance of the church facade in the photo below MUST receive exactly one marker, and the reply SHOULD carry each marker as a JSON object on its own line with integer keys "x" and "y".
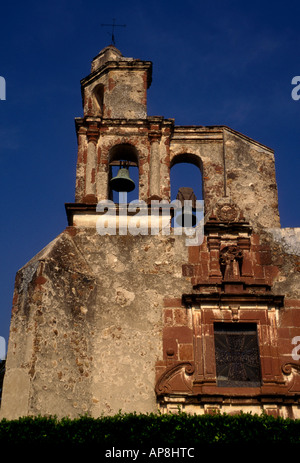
{"x": 103, "y": 322}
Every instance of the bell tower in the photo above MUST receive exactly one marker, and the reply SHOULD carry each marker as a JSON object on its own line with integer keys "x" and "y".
{"x": 113, "y": 94}
{"x": 117, "y": 86}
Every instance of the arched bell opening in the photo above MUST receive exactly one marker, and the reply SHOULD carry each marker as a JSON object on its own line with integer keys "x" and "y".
{"x": 186, "y": 184}
{"x": 123, "y": 174}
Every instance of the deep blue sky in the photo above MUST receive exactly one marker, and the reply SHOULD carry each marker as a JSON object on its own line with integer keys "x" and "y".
{"x": 214, "y": 63}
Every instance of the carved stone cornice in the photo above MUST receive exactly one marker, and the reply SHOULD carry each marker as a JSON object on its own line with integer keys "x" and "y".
{"x": 154, "y": 136}
{"x": 93, "y": 133}
{"x": 223, "y": 298}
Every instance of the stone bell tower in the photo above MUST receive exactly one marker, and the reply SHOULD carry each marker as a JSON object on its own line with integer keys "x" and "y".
{"x": 141, "y": 321}
{"x": 115, "y": 92}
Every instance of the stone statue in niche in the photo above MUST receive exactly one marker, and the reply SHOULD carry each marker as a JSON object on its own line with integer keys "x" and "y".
{"x": 231, "y": 259}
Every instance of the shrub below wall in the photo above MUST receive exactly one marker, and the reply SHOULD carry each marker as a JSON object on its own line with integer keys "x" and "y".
{"x": 133, "y": 431}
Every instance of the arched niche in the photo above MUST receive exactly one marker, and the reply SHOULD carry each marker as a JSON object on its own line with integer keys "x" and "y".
{"x": 98, "y": 93}
{"x": 124, "y": 153}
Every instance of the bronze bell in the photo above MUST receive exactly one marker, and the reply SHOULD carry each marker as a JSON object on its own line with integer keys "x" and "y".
{"x": 186, "y": 218}
{"x": 122, "y": 182}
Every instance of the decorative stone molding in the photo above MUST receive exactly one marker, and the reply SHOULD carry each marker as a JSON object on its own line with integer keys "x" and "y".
{"x": 227, "y": 212}
{"x": 287, "y": 368}
{"x": 175, "y": 379}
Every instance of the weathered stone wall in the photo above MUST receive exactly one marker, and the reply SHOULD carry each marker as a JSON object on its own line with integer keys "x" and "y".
{"x": 49, "y": 351}
{"x": 251, "y": 181}
{"x": 86, "y": 324}
{"x": 289, "y": 238}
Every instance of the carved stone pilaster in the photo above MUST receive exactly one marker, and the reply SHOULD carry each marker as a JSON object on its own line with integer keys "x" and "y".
{"x": 214, "y": 249}
{"x": 244, "y": 245}
{"x": 91, "y": 163}
{"x": 154, "y": 168}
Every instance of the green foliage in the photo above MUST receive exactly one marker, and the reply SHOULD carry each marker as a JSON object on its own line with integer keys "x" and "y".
{"x": 145, "y": 430}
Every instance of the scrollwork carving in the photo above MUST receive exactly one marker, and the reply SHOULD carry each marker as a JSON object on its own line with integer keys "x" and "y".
{"x": 228, "y": 212}
{"x": 287, "y": 368}
{"x": 169, "y": 381}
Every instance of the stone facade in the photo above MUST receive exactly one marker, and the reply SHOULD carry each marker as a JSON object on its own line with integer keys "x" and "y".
{"x": 108, "y": 322}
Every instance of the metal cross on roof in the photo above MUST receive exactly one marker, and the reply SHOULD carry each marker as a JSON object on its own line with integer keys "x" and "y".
{"x": 113, "y": 25}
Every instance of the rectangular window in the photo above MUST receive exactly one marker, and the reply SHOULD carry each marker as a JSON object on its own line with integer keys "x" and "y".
{"x": 237, "y": 355}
